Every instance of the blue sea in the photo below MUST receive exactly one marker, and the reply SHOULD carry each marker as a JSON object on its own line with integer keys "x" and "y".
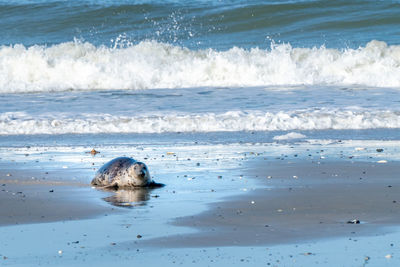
{"x": 135, "y": 67}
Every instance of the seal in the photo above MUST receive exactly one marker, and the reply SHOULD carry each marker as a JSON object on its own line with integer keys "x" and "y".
{"x": 123, "y": 172}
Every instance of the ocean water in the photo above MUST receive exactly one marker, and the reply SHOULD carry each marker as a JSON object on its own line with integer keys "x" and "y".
{"x": 158, "y": 67}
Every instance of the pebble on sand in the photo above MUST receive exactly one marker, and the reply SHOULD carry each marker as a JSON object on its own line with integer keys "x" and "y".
{"x": 355, "y": 221}
{"x": 94, "y": 152}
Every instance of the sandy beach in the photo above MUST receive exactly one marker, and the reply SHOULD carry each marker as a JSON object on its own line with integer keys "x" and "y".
{"x": 222, "y": 205}
{"x": 41, "y": 202}
{"x": 304, "y": 201}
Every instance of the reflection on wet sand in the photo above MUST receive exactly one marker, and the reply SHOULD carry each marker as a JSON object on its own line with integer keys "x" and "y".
{"x": 128, "y": 197}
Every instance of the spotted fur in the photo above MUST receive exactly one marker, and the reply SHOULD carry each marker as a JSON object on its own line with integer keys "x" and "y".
{"x": 122, "y": 172}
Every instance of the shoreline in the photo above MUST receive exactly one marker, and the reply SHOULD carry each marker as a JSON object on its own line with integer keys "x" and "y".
{"x": 292, "y": 197}
{"x": 289, "y": 196}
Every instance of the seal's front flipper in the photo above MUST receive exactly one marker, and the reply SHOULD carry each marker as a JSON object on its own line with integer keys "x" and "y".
{"x": 113, "y": 186}
{"x": 153, "y": 184}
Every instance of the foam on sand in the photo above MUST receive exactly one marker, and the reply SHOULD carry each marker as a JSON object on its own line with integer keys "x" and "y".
{"x": 289, "y": 136}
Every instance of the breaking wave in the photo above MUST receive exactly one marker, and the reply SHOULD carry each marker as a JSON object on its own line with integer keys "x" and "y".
{"x": 149, "y": 64}
{"x": 23, "y": 123}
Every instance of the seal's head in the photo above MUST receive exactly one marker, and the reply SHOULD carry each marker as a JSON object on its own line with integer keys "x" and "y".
{"x": 140, "y": 174}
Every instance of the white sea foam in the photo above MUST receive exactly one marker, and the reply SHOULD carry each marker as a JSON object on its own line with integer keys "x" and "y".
{"x": 23, "y": 123}
{"x": 289, "y": 136}
{"x": 147, "y": 65}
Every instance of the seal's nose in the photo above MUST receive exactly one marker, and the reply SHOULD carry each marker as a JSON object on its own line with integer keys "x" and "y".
{"x": 143, "y": 173}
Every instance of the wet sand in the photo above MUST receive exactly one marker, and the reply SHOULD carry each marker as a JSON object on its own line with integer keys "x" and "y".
{"x": 24, "y": 201}
{"x": 301, "y": 201}
{"x": 295, "y": 201}
{"x": 292, "y": 205}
